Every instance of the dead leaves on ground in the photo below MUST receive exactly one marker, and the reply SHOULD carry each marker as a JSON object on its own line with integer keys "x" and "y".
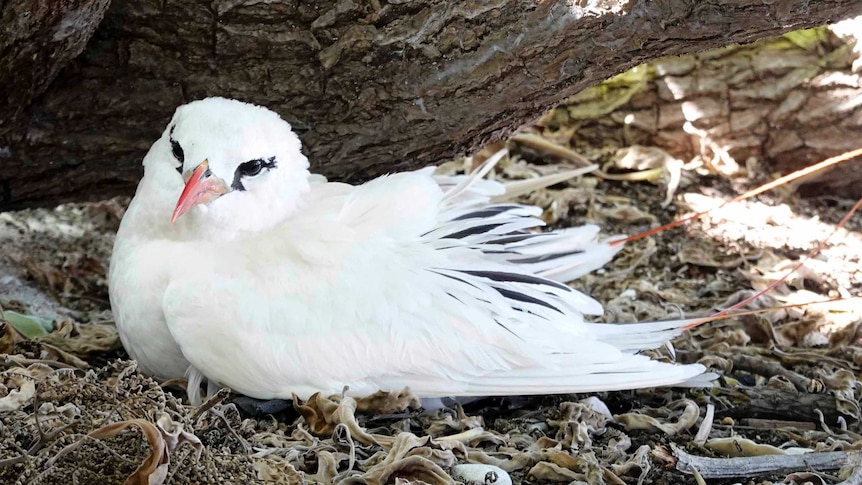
{"x": 644, "y": 421}
{"x": 332, "y": 442}
{"x": 65, "y": 345}
{"x": 18, "y": 386}
{"x": 83, "y": 339}
{"x": 163, "y": 437}
{"x": 128, "y": 424}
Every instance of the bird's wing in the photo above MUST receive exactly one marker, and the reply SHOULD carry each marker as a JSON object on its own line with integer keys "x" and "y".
{"x": 380, "y": 295}
{"x": 400, "y": 205}
{"x": 480, "y": 212}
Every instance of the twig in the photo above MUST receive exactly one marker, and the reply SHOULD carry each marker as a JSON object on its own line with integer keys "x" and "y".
{"x": 8, "y": 360}
{"x": 14, "y": 460}
{"x": 753, "y": 466}
{"x": 767, "y": 368}
{"x": 759, "y": 402}
{"x": 541, "y": 143}
{"x": 218, "y": 397}
{"x": 246, "y": 448}
{"x": 757, "y": 423}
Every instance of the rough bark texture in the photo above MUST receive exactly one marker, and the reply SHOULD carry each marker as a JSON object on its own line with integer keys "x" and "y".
{"x": 371, "y": 87}
{"x": 785, "y": 103}
{"x": 775, "y": 404}
{"x": 39, "y": 38}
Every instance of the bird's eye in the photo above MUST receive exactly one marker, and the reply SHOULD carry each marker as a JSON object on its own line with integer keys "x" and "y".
{"x": 251, "y": 168}
{"x": 177, "y": 150}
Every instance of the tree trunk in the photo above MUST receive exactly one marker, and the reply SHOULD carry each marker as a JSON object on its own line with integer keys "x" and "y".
{"x": 371, "y": 87}
{"x": 787, "y": 102}
{"x": 39, "y": 39}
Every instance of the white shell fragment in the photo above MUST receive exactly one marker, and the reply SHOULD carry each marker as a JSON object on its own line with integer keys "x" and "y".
{"x": 481, "y": 474}
{"x": 597, "y": 405}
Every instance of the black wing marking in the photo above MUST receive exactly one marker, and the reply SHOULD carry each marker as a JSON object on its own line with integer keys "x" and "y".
{"x": 516, "y": 278}
{"x": 485, "y": 212}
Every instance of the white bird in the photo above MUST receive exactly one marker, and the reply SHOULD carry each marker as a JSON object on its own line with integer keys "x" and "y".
{"x": 260, "y": 276}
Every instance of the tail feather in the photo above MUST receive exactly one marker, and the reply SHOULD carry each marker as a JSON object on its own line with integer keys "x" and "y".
{"x": 669, "y": 375}
{"x": 472, "y": 189}
{"x": 631, "y": 372}
{"x": 633, "y": 337}
{"x": 521, "y": 187}
{"x": 464, "y": 184}
{"x": 568, "y": 267}
{"x": 648, "y": 373}
{"x": 475, "y": 213}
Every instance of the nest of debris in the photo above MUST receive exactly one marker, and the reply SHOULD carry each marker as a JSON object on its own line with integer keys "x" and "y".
{"x": 72, "y": 410}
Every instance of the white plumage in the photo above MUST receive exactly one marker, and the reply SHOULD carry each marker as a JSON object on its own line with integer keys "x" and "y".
{"x": 273, "y": 281}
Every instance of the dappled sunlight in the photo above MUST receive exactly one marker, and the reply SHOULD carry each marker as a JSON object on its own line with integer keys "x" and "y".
{"x": 779, "y": 231}
{"x": 766, "y": 225}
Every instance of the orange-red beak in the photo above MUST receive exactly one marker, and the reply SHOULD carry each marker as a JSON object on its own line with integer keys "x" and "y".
{"x": 201, "y": 187}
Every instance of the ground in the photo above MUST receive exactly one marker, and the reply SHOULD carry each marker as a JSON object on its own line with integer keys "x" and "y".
{"x": 72, "y": 410}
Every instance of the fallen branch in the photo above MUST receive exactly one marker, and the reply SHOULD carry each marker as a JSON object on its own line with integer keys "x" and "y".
{"x": 769, "y": 368}
{"x": 762, "y": 465}
{"x": 765, "y": 403}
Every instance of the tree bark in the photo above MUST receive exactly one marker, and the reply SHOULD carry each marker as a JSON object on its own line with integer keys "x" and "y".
{"x": 775, "y": 404}
{"x": 370, "y": 87}
{"x": 786, "y": 103}
{"x": 39, "y": 39}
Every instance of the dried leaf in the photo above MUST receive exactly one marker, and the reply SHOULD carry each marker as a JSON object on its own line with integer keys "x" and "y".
{"x": 154, "y": 470}
{"x": 637, "y": 465}
{"x": 382, "y": 402}
{"x": 17, "y": 399}
{"x": 323, "y": 414}
{"x": 59, "y": 355}
{"x": 445, "y": 422}
{"x": 20, "y": 383}
{"x": 544, "y": 471}
{"x": 438, "y": 452}
{"x": 174, "y": 434}
{"x": 641, "y": 421}
{"x": 9, "y": 338}
{"x": 327, "y": 467}
{"x": 578, "y": 421}
{"x": 82, "y": 339}
{"x": 546, "y": 145}
{"x": 413, "y": 469}
{"x": 734, "y": 447}
{"x": 51, "y": 417}
{"x": 277, "y": 472}
{"x": 318, "y": 412}
{"x": 805, "y": 477}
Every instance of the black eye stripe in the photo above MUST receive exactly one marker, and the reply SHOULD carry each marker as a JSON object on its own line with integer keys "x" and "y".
{"x": 177, "y": 151}
{"x": 251, "y": 168}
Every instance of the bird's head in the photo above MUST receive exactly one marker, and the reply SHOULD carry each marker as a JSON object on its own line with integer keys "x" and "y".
{"x": 240, "y": 164}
